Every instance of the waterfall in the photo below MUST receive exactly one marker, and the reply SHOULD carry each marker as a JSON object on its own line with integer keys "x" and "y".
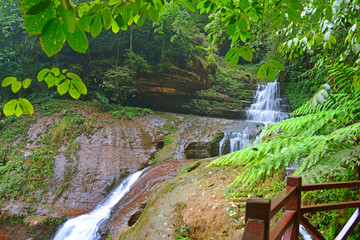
{"x": 86, "y": 226}
{"x": 267, "y": 108}
{"x": 237, "y": 141}
{"x": 268, "y": 104}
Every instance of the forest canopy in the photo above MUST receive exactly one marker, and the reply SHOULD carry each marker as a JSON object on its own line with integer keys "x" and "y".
{"x": 304, "y": 27}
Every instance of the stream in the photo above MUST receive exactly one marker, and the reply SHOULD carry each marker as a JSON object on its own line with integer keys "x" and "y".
{"x": 268, "y": 107}
{"x": 86, "y": 226}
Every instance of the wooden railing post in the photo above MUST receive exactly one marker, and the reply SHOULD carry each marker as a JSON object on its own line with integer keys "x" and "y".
{"x": 257, "y": 219}
{"x": 294, "y": 204}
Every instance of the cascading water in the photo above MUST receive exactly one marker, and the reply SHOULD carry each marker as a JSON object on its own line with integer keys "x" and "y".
{"x": 268, "y": 105}
{"x": 237, "y": 140}
{"x": 267, "y": 108}
{"x": 86, "y": 226}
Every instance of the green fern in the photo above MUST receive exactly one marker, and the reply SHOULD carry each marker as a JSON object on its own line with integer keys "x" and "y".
{"x": 322, "y": 140}
{"x": 265, "y": 158}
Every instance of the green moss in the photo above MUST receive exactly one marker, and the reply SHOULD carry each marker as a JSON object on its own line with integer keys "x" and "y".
{"x": 214, "y": 144}
{"x": 15, "y": 128}
{"x": 168, "y": 187}
{"x": 192, "y": 167}
{"x": 128, "y": 113}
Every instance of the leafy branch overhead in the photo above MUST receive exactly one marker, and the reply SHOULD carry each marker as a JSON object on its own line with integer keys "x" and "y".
{"x": 245, "y": 22}
{"x": 63, "y": 80}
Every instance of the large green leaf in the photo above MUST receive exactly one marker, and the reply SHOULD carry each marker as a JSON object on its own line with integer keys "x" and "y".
{"x": 246, "y": 53}
{"x": 26, "y": 106}
{"x": 64, "y": 87}
{"x": 121, "y": 23}
{"x": 142, "y": 18}
{"x": 96, "y": 26}
{"x": 42, "y": 74}
{"x": 234, "y": 59}
{"x": 113, "y": 2}
{"x": 77, "y": 83}
{"x": 26, "y": 83}
{"x": 50, "y": 79}
{"x": 34, "y": 23}
{"x": 328, "y": 13}
{"x": 55, "y": 71}
{"x": 84, "y": 22}
{"x": 9, "y": 108}
{"x": 8, "y": 81}
{"x": 73, "y": 92}
{"x": 26, "y": 5}
{"x": 114, "y": 26}
{"x": 18, "y": 110}
{"x": 127, "y": 15}
{"x": 80, "y": 86}
{"x": 77, "y": 40}
{"x": 262, "y": 71}
{"x": 230, "y": 29}
{"x": 73, "y": 76}
{"x": 295, "y": 4}
{"x": 230, "y": 53}
{"x": 16, "y": 86}
{"x": 106, "y": 19}
{"x": 67, "y": 13}
{"x": 271, "y": 74}
{"x": 154, "y": 15}
{"x": 277, "y": 65}
{"x": 190, "y": 5}
{"x": 294, "y": 15}
{"x": 318, "y": 12}
{"x": 52, "y": 37}
{"x": 39, "y": 8}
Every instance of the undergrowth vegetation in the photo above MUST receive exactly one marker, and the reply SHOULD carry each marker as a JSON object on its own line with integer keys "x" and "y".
{"x": 323, "y": 140}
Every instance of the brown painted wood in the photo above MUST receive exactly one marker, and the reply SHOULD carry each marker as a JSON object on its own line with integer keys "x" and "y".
{"x": 349, "y": 226}
{"x": 254, "y": 230}
{"x": 281, "y": 199}
{"x": 311, "y": 229}
{"x": 280, "y": 227}
{"x": 323, "y": 186}
{"x": 289, "y": 232}
{"x": 294, "y": 204}
{"x": 258, "y": 210}
{"x": 330, "y": 206}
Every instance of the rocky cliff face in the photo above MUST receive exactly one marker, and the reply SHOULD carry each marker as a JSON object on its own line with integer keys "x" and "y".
{"x": 90, "y": 164}
{"x": 185, "y": 89}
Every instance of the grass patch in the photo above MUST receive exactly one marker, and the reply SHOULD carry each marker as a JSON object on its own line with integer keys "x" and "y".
{"x": 128, "y": 113}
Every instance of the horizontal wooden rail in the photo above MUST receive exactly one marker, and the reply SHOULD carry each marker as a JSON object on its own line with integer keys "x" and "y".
{"x": 281, "y": 199}
{"x": 330, "y": 206}
{"x": 259, "y": 212}
{"x": 280, "y": 227}
{"x": 326, "y": 186}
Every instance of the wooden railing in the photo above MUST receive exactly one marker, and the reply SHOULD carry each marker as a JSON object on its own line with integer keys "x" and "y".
{"x": 259, "y": 212}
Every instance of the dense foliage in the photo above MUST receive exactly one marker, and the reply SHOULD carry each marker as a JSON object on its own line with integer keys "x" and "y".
{"x": 318, "y": 42}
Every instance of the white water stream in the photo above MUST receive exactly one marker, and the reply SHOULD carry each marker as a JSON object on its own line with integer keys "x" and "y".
{"x": 266, "y": 109}
{"x": 85, "y": 227}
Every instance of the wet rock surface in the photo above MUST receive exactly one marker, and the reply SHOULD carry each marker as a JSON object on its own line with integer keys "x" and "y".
{"x": 107, "y": 154}
{"x": 129, "y": 209}
{"x": 191, "y": 205}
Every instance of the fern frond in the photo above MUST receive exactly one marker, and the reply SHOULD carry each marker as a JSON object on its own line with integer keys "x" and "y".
{"x": 261, "y": 160}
